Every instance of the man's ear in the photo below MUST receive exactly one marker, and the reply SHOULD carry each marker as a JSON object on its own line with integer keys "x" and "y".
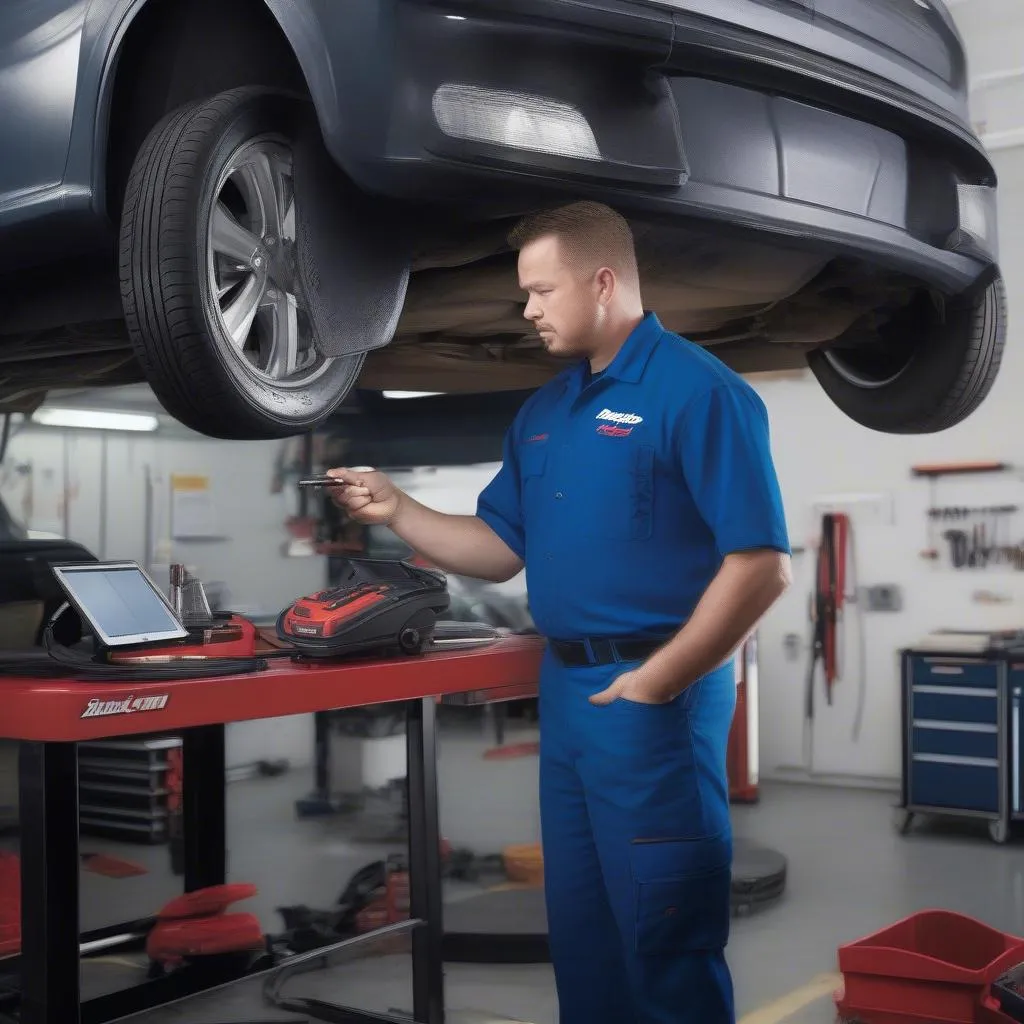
{"x": 605, "y": 282}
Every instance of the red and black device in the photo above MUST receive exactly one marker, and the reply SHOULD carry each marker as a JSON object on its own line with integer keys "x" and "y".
{"x": 379, "y": 605}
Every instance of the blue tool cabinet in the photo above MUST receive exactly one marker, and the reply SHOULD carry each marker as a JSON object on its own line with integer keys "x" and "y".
{"x": 962, "y": 737}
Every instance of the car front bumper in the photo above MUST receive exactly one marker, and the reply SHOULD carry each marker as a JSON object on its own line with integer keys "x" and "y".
{"x": 666, "y": 113}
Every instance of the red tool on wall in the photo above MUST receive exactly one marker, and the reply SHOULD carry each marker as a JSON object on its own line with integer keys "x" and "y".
{"x": 827, "y": 603}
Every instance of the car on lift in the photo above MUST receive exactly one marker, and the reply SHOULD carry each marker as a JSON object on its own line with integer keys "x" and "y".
{"x": 259, "y": 205}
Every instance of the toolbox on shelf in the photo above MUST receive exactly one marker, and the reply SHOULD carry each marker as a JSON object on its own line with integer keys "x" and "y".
{"x": 125, "y": 789}
{"x": 935, "y": 966}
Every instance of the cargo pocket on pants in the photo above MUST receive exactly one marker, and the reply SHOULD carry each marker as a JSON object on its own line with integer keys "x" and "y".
{"x": 682, "y": 894}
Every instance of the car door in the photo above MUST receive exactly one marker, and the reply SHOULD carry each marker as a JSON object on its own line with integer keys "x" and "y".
{"x": 40, "y": 43}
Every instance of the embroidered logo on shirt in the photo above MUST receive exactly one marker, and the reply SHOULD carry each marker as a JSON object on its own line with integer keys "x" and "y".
{"x": 536, "y": 437}
{"x": 620, "y": 417}
{"x": 618, "y": 424}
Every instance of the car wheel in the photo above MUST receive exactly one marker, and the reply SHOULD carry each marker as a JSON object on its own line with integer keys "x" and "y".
{"x": 926, "y": 371}
{"x": 209, "y": 276}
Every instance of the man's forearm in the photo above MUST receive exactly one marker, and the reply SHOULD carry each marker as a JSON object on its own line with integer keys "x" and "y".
{"x": 745, "y": 587}
{"x": 464, "y": 545}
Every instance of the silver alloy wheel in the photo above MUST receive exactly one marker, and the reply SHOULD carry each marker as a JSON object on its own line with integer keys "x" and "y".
{"x": 251, "y": 268}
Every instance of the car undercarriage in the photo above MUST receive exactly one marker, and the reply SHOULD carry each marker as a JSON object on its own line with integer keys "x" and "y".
{"x": 759, "y": 307}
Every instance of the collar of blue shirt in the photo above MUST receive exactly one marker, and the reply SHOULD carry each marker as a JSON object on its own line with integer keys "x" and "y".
{"x": 631, "y": 360}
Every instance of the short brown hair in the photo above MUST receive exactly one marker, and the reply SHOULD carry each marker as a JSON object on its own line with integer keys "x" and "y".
{"x": 593, "y": 234}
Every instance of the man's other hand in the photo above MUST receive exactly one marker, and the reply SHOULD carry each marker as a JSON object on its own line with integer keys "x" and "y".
{"x": 631, "y": 686}
{"x": 367, "y": 496}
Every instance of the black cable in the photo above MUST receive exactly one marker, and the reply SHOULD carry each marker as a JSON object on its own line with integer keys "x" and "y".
{"x": 60, "y": 661}
{"x": 829, "y": 537}
{"x": 57, "y": 659}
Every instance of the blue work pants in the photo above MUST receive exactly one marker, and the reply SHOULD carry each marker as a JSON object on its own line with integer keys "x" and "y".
{"x": 637, "y": 849}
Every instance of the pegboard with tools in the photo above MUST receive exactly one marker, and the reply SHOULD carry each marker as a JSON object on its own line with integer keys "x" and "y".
{"x": 972, "y": 534}
{"x": 981, "y": 536}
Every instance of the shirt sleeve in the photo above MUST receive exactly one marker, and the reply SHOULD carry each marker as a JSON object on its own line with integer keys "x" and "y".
{"x": 725, "y": 449}
{"x": 500, "y": 503}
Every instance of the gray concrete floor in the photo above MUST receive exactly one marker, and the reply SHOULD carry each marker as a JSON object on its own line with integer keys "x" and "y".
{"x": 850, "y": 873}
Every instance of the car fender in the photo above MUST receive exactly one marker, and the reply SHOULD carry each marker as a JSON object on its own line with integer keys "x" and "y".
{"x": 304, "y": 30}
{"x": 344, "y": 51}
{"x": 106, "y": 25}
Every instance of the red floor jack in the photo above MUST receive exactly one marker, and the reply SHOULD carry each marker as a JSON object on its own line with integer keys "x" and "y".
{"x": 934, "y": 967}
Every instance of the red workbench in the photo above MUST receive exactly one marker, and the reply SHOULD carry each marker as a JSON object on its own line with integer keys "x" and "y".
{"x": 49, "y": 718}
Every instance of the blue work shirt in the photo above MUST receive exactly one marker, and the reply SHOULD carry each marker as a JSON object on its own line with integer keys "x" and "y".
{"x": 623, "y": 493}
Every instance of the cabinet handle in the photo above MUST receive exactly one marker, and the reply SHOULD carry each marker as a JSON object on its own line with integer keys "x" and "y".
{"x": 948, "y": 670}
{"x": 957, "y": 759}
{"x": 942, "y": 726}
{"x": 955, "y": 691}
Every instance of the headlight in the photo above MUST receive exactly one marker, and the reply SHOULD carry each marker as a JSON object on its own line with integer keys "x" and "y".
{"x": 514, "y": 120}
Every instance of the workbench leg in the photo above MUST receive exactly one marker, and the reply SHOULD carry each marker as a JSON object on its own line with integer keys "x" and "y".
{"x": 204, "y": 806}
{"x": 48, "y": 793}
{"x": 425, "y": 897}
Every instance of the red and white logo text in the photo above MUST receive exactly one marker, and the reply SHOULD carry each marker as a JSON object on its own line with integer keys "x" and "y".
{"x": 617, "y": 424}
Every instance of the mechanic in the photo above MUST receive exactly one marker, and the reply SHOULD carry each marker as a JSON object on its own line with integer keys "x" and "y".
{"x": 638, "y": 489}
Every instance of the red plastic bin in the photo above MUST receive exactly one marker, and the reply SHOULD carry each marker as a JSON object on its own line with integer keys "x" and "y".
{"x": 934, "y": 966}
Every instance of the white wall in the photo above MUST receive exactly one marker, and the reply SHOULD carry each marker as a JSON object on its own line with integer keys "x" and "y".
{"x": 820, "y": 453}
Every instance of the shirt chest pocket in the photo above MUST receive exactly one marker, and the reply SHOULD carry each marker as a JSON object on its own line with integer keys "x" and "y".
{"x": 616, "y": 492}
{"x": 532, "y": 462}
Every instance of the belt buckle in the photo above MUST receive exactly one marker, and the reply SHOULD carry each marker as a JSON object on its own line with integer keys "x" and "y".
{"x": 600, "y": 651}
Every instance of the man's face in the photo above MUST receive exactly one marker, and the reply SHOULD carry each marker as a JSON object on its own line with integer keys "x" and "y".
{"x": 563, "y": 303}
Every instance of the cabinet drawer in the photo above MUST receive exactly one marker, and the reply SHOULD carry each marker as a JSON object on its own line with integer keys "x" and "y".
{"x": 946, "y": 704}
{"x": 956, "y": 738}
{"x": 953, "y": 672}
{"x": 938, "y": 781}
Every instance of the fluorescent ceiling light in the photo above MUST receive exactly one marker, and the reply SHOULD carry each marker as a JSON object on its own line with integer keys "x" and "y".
{"x": 95, "y": 419}
{"x": 411, "y": 394}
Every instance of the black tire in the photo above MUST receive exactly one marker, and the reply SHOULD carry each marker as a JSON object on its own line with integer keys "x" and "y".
{"x": 172, "y": 313}
{"x": 928, "y": 369}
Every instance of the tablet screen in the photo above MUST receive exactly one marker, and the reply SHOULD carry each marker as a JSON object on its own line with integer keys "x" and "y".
{"x": 121, "y": 602}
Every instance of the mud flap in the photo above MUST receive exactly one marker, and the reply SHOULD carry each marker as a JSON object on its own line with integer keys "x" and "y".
{"x": 353, "y": 254}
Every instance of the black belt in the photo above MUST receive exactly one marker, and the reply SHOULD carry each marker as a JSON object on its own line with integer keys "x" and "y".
{"x": 602, "y": 651}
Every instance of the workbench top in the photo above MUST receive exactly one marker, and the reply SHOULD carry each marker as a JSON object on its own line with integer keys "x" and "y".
{"x": 66, "y": 710}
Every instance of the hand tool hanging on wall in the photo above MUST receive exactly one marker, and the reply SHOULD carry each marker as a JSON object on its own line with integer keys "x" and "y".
{"x": 827, "y": 603}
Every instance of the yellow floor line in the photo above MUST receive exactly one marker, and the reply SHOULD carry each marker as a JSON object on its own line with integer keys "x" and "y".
{"x": 779, "y": 1011}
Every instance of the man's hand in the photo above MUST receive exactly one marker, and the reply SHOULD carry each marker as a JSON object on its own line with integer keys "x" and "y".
{"x": 367, "y": 496}
{"x": 745, "y": 587}
{"x": 631, "y": 686}
{"x": 465, "y": 545}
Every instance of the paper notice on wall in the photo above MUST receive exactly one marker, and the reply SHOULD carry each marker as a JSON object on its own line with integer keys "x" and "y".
{"x": 192, "y": 510}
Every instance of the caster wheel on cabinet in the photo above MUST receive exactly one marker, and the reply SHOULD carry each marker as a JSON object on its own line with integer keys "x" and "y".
{"x": 999, "y": 831}
{"x": 902, "y": 821}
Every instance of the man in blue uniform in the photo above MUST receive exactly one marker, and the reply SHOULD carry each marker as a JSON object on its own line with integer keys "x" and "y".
{"x": 638, "y": 489}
